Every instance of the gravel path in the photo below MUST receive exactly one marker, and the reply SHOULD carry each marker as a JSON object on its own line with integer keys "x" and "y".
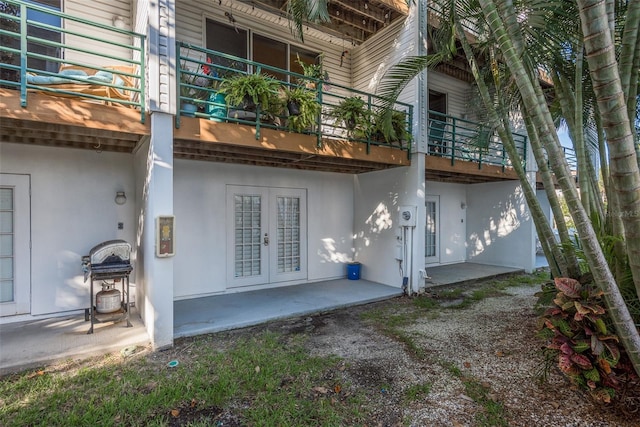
{"x": 490, "y": 343}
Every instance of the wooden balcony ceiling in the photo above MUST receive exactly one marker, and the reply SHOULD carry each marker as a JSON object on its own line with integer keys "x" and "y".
{"x": 439, "y": 169}
{"x": 200, "y": 139}
{"x": 69, "y": 122}
{"x": 356, "y": 20}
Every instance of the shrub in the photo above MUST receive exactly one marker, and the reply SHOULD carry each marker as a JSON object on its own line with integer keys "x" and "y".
{"x": 581, "y": 337}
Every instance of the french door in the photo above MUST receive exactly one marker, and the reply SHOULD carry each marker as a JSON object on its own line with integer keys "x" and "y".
{"x": 432, "y": 230}
{"x": 15, "y": 243}
{"x": 266, "y": 237}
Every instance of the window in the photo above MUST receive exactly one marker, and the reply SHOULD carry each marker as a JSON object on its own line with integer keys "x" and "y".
{"x": 11, "y": 38}
{"x": 234, "y": 41}
{"x": 227, "y": 39}
{"x": 270, "y": 52}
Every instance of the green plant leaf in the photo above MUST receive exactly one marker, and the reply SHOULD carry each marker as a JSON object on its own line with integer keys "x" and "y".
{"x": 580, "y": 346}
{"x": 601, "y": 327}
{"x": 569, "y": 287}
{"x": 592, "y": 374}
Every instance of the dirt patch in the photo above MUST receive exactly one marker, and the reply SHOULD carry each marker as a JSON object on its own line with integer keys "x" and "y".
{"x": 489, "y": 343}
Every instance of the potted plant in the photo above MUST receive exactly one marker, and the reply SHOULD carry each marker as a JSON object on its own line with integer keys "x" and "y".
{"x": 313, "y": 72}
{"x": 391, "y": 126}
{"x": 218, "y": 69}
{"x": 303, "y": 108}
{"x": 353, "y": 113}
{"x": 193, "y": 88}
{"x": 249, "y": 91}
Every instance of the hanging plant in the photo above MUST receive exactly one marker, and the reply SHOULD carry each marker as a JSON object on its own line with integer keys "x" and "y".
{"x": 247, "y": 91}
{"x": 303, "y": 108}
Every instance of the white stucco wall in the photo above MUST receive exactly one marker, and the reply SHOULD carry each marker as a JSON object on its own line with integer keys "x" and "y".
{"x": 378, "y": 196}
{"x": 499, "y": 226}
{"x": 72, "y": 210}
{"x": 452, "y": 220}
{"x": 199, "y": 203}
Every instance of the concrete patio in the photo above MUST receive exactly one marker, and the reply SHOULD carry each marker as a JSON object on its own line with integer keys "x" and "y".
{"x": 38, "y": 342}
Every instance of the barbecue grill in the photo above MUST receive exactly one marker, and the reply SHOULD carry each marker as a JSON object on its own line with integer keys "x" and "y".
{"x": 108, "y": 263}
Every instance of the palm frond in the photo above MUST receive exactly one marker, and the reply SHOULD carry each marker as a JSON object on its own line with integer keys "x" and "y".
{"x": 301, "y": 11}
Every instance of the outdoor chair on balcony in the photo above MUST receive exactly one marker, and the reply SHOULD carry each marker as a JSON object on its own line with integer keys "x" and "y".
{"x": 86, "y": 81}
{"x": 437, "y": 144}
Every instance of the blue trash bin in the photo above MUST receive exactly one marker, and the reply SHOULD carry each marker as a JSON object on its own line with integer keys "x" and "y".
{"x": 353, "y": 271}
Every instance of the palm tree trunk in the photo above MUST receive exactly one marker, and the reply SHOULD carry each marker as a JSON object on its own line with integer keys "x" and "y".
{"x": 607, "y": 84}
{"x": 557, "y": 263}
{"x": 541, "y": 118}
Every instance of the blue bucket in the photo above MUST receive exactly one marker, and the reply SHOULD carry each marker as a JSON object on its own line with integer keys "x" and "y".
{"x": 353, "y": 271}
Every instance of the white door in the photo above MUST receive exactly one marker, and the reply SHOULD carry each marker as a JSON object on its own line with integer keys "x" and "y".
{"x": 266, "y": 238}
{"x": 15, "y": 244}
{"x": 432, "y": 230}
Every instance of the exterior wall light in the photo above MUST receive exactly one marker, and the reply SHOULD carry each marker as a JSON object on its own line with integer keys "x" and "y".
{"x": 118, "y": 22}
{"x": 121, "y": 198}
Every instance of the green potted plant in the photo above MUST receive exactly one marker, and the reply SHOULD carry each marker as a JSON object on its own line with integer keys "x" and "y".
{"x": 353, "y": 113}
{"x": 313, "y": 72}
{"x": 303, "y": 108}
{"x": 248, "y": 91}
{"x": 391, "y": 126}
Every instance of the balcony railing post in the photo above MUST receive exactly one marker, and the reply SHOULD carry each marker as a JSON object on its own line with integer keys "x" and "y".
{"x": 453, "y": 139}
{"x": 410, "y": 128}
{"x": 178, "y": 85}
{"x": 23, "y": 55}
{"x": 257, "y": 121}
{"x": 368, "y": 134}
{"x": 319, "y": 117}
{"x": 143, "y": 81}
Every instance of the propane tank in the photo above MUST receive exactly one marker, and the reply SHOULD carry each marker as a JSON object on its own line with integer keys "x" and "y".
{"x": 108, "y": 299}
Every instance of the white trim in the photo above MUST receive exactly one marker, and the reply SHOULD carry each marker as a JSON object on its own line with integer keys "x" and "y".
{"x": 21, "y": 184}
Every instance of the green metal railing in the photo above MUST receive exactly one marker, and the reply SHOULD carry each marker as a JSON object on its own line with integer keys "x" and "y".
{"x": 201, "y": 71}
{"x": 464, "y": 140}
{"x": 39, "y": 55}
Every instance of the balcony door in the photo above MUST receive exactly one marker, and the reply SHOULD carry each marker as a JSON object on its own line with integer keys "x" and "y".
{"x": 266, "y": 235}
{"x": 432, "y": 230}
{"x": 15, "y": 244}
{"x": 437, "y": 123}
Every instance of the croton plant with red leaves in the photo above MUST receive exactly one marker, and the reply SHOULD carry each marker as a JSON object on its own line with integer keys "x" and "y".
{"x": 581, "y": 335}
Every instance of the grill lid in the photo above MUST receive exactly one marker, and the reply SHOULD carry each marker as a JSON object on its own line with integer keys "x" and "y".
{"x": 110, "y": 252}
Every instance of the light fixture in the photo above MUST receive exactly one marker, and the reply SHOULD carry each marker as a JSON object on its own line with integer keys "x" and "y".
{"x": 118, "y": 22}
{"x": 121, "y": 198}
{"x": 463, "y": 205}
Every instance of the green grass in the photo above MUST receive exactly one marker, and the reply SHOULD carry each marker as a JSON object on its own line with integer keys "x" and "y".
{"x": 417, "y": 392}
{"x": 269, "y": 382}
{"x": 493, "y": 414}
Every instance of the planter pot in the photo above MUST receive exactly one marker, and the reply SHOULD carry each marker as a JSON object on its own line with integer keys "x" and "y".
{"x": 189, "y": 110}
{"x": 294, "y": 108}
{"x": 248, "y": 104}
{"x": 218, "y": 110}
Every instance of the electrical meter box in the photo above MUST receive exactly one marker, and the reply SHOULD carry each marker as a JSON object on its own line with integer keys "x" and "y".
{"x": 408, "y": 216}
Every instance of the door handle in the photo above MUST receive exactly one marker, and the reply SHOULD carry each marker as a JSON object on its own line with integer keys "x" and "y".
{"x": 266, "y": 239}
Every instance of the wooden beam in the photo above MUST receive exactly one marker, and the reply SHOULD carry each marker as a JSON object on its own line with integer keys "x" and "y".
{"x": 43, "y": 108}
{"x": 460, "y": 167}
{"x": 399, "y": 6}
{"x": 195, "y": 129}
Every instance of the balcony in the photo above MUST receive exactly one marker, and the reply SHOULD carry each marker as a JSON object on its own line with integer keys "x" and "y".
{"x": 209, "y": 127}
{"x": 66, "y": 81}
{"x": 464, "y": 151}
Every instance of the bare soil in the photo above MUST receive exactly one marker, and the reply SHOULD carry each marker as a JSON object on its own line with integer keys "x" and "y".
{"x": 491, "y": 342}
